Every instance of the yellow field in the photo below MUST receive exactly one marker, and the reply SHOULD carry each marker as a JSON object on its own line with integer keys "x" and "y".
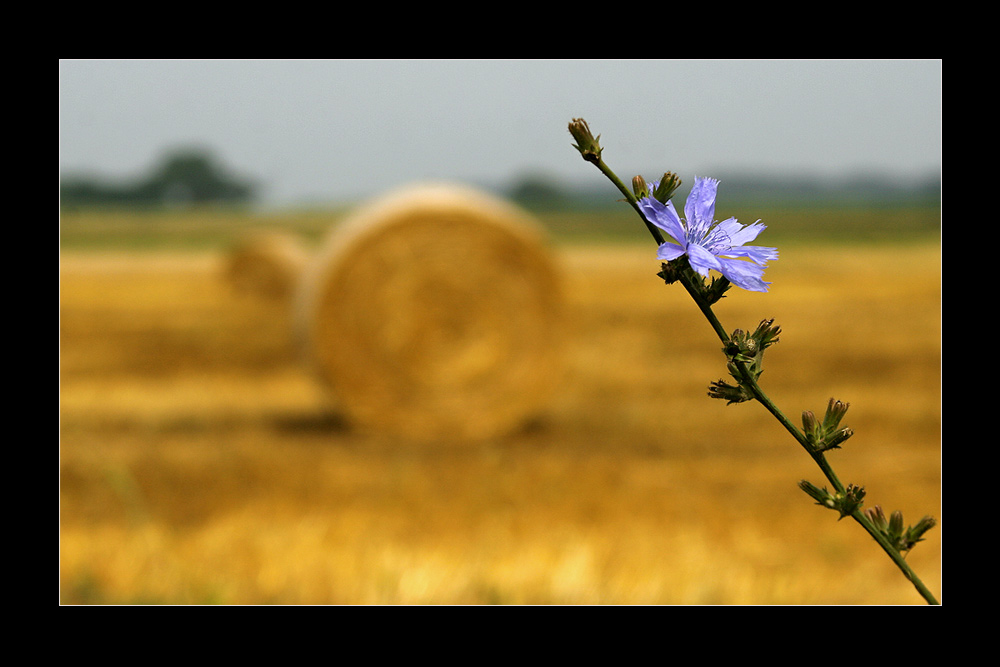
{"x": 201, "y": 463}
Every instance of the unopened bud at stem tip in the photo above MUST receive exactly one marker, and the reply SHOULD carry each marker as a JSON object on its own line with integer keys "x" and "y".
{"x": 586, "y": 143}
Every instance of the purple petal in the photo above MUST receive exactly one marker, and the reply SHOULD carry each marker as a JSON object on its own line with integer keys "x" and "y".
{"x": 664, "y": 217}
{"x": 669, "y": 251}
{"x": 760, "y": 254}
{"x": 702, "y": 260}
{"x": 730, "y": 227}
{"x": 699, "y": 209}
{"x": 744, "y": 274}
{"x": 747, "y": 234}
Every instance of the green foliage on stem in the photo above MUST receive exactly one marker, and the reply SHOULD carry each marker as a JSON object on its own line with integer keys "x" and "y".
{"x": 846, "y": 502}
{"x": 746, "y": 350}
{"x": 892, "y": 528}
{"x": 826, "y": 434}
{"x": 711, "y": 293}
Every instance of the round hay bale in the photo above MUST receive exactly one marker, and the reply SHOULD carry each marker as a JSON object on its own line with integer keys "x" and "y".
{"x": 267, "y": 264}
{"x": 434, "y": 312}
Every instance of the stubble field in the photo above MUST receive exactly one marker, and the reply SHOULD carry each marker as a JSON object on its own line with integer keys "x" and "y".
{"x": 201, "y": 463}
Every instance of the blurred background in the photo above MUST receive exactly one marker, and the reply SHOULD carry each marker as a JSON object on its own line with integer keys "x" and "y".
{"x": 201, "y": 461}
{"x": 294, "y": 133}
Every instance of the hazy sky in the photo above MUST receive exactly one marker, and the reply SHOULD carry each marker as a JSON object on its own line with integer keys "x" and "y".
{"x": 321, "y": 130}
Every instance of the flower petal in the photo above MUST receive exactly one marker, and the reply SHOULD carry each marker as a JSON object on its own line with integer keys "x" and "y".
{"x": 760, "y": 254}
{"x": 744, "y": 274}
{"x": 711, "y": 246}
{"x": 669, "y": 251}
{"x": 730, "y": 228}
{"x": 747, "y": 234}
{"x": 663, "y": 216}
{"x": 702, "y": 260}
{"x": 699, "y": 209}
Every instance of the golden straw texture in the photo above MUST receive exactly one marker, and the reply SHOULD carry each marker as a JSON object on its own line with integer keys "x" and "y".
{"x": 434, "y": 313}
{"x": 267, "y": 264}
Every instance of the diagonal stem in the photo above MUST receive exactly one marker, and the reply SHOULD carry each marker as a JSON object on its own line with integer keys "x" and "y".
{"x": 761, "y": 397}
{"x": 818, "y": 457}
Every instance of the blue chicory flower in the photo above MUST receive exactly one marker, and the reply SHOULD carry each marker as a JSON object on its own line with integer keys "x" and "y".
{"x": 709, "y": 244}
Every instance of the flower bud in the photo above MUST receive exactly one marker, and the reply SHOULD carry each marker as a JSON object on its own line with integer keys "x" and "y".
{"x": 821, "y": 496}
{"x": 915, "y": 533}
{"x": 845, "y": 503}
{"x": 766, "y": 333}
{"x": 639, "y": 188}
{"x": 586, "y": 143}
{"x": 825, "y": 435}
{"x": 851, "y": 500}
{"x": 666, "y": 187}
{"x": 892, "y": 528}
{"x": 835, "y": 411}
{"x": 731, "y": 393}
{"x": 877, "y": 517}
{"x": 833, "y": 440}
{"x": 896, "y": 524}
{"x": 858, "y": 492}
{"x": 810, "y": 425}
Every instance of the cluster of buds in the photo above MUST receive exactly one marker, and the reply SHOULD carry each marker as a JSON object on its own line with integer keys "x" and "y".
{"x": 845, "y": 503}
{"x": 892, "y": 528}
{"x": 662, "y": 192}
{"x": 748, "y": 349}
{"x": 826, "y": 434}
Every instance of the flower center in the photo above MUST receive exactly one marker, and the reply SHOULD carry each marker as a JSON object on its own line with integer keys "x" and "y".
{"x": 711, "y": 239}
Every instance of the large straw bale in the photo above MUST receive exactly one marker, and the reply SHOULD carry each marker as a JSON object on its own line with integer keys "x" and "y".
{"x": 268, "y": 264}
{"x": 434, "y": 312}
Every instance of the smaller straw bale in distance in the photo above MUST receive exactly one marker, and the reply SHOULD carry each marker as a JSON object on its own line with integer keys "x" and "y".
{"x": 267, "y": 264}
{"x": 434, "y": 313}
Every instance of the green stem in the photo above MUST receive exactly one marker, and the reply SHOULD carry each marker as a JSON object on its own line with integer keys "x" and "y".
{"x": 763, "y": 399}
{"x": 820, "y": 459}
{"x": 630, "y": 198}
{"x": 896, "y": 557}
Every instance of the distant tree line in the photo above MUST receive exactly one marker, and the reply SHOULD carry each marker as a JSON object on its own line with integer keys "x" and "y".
{"x": 541, "y": 192}
{"x": 185, "y": 177}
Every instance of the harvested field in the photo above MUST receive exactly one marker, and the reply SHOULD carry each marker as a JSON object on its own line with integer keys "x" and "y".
{"x": 201, "y": 462}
